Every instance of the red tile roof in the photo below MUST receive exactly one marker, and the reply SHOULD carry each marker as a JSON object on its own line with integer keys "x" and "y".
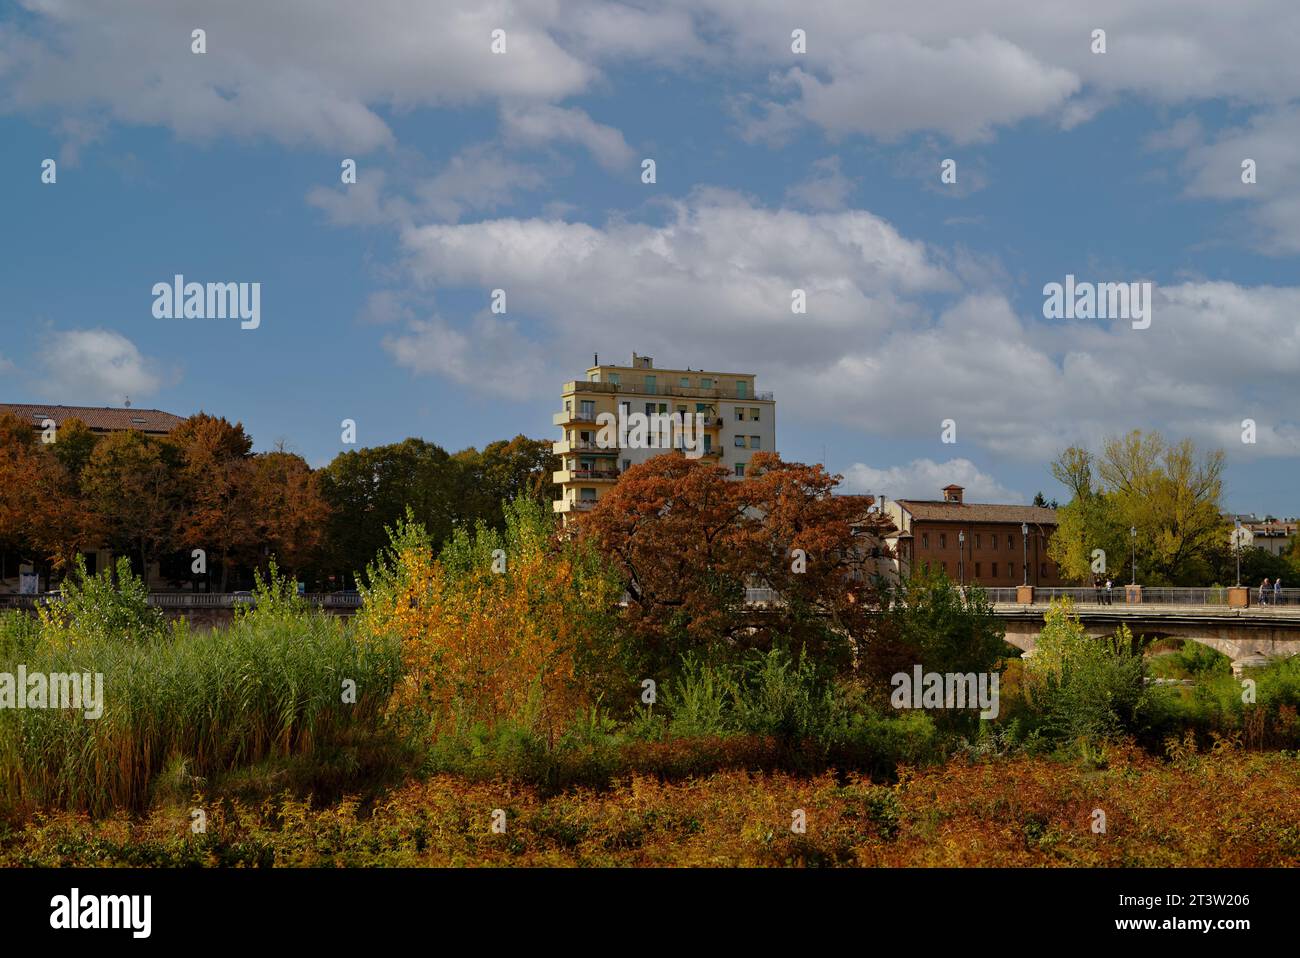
{"x": 98, "y": 418}
{"x": 930, "y": 510}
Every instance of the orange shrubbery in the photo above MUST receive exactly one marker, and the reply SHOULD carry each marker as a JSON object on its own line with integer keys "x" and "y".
{"x": 1005, "y": 812}
{"x": 500, "y": 627}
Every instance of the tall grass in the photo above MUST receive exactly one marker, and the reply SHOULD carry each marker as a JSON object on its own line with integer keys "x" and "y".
{"x": 269, "y": 685}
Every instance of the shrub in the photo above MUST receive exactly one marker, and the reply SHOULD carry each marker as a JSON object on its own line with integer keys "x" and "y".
{"x": 509, "y": 626}
{"x": 1083, "y": 688}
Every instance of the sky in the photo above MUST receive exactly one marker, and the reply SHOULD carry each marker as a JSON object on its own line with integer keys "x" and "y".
{"x": 795, "y": 146}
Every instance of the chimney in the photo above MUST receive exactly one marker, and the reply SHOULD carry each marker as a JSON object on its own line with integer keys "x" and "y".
{"x": 952, "y": 493}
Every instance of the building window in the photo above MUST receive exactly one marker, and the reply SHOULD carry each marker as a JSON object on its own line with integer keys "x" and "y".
{"x": 754, "y": 442}
{"x": 627, "y": 464}
{"x": 587, "y": 495}
{"x": 977, "y": 540}
{"x": 753, "y": 413}
{"x": 1042, "y": 569}
{"x": 1011, "y": 569}
{"x": 684, "y": 382}
{"x": 1011, "y": 542}
{"x": 613, "y": 378}
{"x": 650, "y": 408}
{"x": 740, "y": 414}
{"x": 943, "y": 540}
{"x": 650, "y": 386}
{"x": 977, "y": 570}
{"x": 742, "y": 388}
{"x": 740, "y": 469}
{"x": 925, "y": 540}
{"x": 995, "y": 570}
{"x": 588, "y": 409}
{"x": 740, "y": 442}
{"x": 993, "y": 541}
{"x": 706, "y": 383}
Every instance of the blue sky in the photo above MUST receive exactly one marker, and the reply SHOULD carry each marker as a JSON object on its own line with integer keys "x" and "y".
{"x": 775, "y": 170}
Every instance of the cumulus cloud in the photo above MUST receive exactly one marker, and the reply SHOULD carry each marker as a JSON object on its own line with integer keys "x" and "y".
{"x": 898, "y": 336}
{"x": 826, "y": 187}
{"x": 95, "y": 366}
{"x": 491, "y": 355}
{"x": 925, "y": 478}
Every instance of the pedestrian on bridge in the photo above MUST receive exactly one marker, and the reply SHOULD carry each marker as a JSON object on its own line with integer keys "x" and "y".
{"x": 1263, "y": 591}
{"x": 1109, "y": 585}
{"x": 1096, "y": 588}
{"x": 1277, "y": 591}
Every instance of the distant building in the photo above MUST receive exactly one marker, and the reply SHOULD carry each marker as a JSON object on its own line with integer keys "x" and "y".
{"x": 737, "y": 422}
{"x": 100, "y": 419}
{"x": 984, "y": 543}
{"x": 1274, "y": 536}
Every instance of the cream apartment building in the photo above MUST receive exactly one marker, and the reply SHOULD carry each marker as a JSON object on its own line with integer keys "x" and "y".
{"x": 737, "y": 422}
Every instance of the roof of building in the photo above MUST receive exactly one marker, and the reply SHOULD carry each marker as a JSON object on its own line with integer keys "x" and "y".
{"x": 932, "y": 510}
{"x": 98, "y": 418}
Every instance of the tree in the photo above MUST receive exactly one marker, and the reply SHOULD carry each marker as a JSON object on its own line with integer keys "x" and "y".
{"x": 131, "y": 484}
{"x": 216, "y": 480}
{"x": 688, "y": 540}
{"x": 1169, "y": 493}
{"x": 506, "y": 470}
{"x": 370, "y": 489}
{"x": 41, "y": 515}
{"x": 290, "y": 514}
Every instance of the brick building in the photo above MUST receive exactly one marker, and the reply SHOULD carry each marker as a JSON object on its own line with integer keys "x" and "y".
{"x": 973, "y": 542}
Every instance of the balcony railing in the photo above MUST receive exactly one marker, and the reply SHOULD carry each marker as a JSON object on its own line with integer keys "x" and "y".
{"x": 664, "y": 389}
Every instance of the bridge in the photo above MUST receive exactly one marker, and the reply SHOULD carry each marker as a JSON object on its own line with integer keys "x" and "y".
{"x": 1249, "y": 635}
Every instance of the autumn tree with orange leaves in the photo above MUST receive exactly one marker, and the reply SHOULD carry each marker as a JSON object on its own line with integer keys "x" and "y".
{"x": 689, "y": 540}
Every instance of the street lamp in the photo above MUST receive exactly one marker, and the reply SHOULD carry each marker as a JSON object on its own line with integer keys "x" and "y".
{"x": 1236, "y": 538}
{"x": 961, "y": 556}
{"x": 1133, "y": 538}
{"x": 1024, "y": 539}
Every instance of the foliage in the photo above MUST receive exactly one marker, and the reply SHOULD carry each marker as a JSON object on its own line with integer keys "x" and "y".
{"x": 212, "y": 701}
{"x": 689, "y": 540}
{"x": 509, "y": 625}
{"x": 108, "y": 606}
{"x": 1018, "y": 812}
{"x": 1169, "y": 492}
{"x": 1084, "y": 688}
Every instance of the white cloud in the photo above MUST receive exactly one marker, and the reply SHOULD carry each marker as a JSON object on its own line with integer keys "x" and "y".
{"x": 95, "y": 366}
{"x": 490, "y": 356}
{"x": 543, "y": 123}
{"x": 925, "y": 478}
{"x": 898, "y": 336}
{"x": 826, "y": 187}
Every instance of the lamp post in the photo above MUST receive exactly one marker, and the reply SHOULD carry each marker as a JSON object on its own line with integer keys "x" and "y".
{"x": 1236, "y": 538}
{"x": 961, "y": 556}
{"x": 1133, "y": 538}
{"x": 1024, "y": 540}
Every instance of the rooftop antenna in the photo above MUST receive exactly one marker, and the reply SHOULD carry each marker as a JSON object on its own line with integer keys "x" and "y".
{"x": 595, "y": 359}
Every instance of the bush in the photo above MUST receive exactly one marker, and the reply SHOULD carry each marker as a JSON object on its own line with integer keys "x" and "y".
{"x": 1081, "y": 687}
{"x": 98, "y": 607}
{"x": 505, "y": 627}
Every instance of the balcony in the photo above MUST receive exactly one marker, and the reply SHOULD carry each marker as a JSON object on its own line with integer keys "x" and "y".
{"x": 564, "y": 447}
{"x": 568, "y": 416}
{"x": 561, "y": 476}
{"x": 573, "y": 505}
